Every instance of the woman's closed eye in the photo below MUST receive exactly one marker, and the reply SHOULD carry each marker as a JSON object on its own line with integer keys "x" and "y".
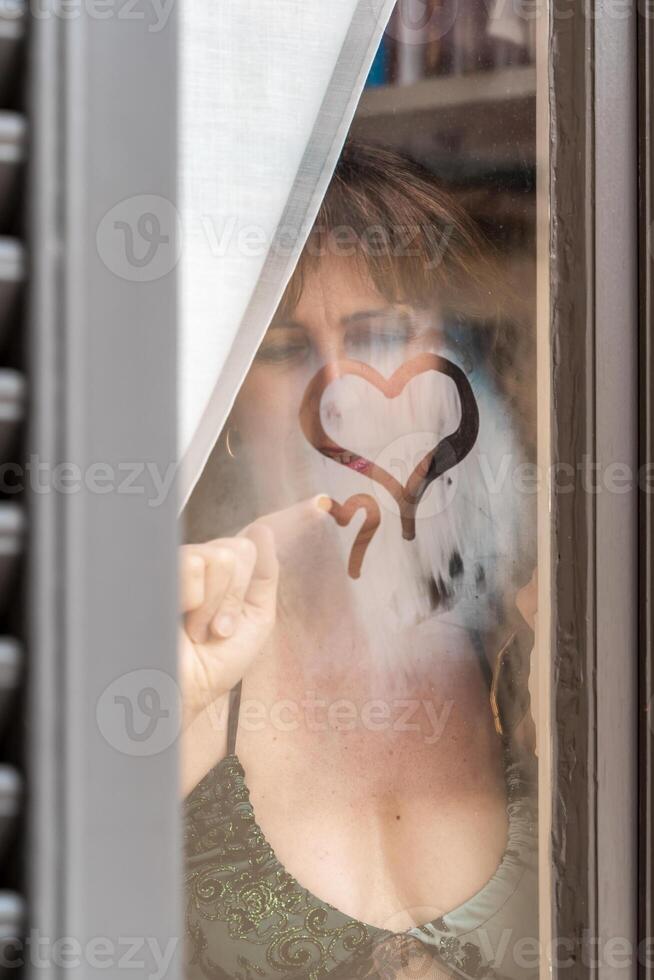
{"x": 362, "y": 336}
{"x": 284, "y": 345}
{"x": 376, "y": 341}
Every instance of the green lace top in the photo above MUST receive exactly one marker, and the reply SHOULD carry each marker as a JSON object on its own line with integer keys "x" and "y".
{"x": 248, "y": 919}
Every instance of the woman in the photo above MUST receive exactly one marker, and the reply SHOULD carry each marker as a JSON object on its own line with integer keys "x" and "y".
{"x": 336, "y": 659}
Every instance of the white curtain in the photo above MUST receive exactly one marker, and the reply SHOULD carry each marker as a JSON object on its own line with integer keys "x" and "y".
{"x": 268, "y": 89}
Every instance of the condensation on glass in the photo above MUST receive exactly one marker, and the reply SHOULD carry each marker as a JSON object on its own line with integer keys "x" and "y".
{"x": 360, "y": 581}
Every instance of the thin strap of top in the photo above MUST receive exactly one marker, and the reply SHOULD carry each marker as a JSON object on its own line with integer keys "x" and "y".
{"x": 481, "y": 656}
{"x": 232, "y": 717}
{"x": 235, "y": 693}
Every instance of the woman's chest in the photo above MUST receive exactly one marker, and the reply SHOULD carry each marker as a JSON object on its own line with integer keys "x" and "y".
{"x": 392, "y": 810}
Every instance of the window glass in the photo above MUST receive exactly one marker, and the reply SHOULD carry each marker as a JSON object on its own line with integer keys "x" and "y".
{"x": 359, "y": 572}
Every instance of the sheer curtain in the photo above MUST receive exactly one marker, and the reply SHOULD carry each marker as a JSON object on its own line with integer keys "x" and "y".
{"x": 268, "y": 89}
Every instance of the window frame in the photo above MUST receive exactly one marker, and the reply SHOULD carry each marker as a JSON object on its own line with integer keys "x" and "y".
{"x": 593, "y": 187}
{"x": 646, "y": 512}
{"x": 103, "y": 852}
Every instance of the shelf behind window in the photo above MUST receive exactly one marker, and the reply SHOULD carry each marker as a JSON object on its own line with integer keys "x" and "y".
{"x": 446, "y": 91}
{"x": 482, "y": 121}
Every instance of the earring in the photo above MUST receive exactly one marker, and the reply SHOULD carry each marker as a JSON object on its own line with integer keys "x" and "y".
{"x": 228, "y": 443}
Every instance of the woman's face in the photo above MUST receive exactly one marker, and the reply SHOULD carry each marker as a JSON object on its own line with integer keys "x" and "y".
{"x": 340, "y": 315}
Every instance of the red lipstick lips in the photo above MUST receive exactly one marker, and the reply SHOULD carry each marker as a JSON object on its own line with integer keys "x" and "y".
{"x": 346, "y": 458}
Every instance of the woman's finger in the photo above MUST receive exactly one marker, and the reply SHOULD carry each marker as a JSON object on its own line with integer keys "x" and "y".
{"x": 261, "y": 596}
{"x": 224, "y": 622}
{"x": 220, "y": 560}
{"x": 191, "y": 579}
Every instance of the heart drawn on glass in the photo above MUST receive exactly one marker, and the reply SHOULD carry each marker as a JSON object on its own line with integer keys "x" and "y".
{"x": 452, "y": 449}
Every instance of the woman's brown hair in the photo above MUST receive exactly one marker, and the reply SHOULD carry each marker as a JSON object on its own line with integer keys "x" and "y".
{"x": 392, "y": 216}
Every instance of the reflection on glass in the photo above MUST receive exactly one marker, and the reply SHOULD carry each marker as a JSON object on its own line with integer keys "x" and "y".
{"x": 359, "y": 587}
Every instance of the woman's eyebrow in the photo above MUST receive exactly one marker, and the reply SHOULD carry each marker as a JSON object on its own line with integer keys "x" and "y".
{"x": 284, "y": 324}
{"x": 360, "y": 316}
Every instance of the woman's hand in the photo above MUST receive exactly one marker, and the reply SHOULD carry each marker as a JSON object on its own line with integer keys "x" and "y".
{"x": 228, "y": 602}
